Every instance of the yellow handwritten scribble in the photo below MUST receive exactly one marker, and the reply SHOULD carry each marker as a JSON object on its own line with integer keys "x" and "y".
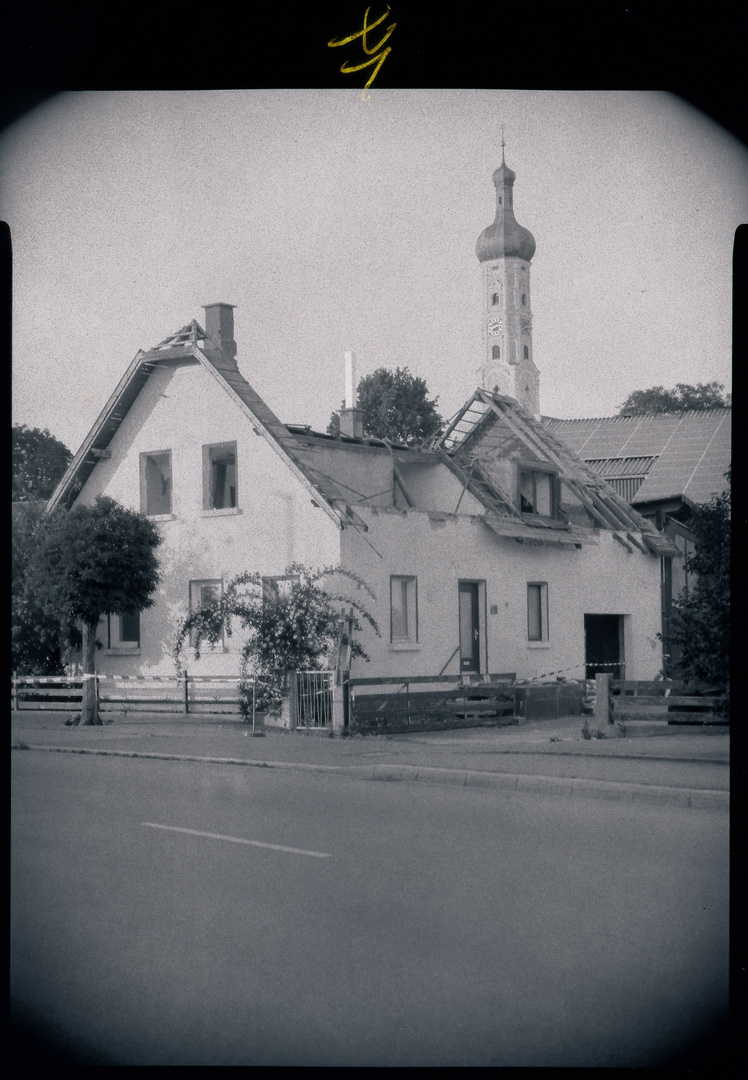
{"x": 347, "y": 68}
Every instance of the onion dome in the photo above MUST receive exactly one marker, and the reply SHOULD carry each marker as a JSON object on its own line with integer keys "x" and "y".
{"x": 505, "y": 237}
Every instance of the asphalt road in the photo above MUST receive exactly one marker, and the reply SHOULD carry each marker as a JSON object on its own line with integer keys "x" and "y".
{"x": 336, "y": 922}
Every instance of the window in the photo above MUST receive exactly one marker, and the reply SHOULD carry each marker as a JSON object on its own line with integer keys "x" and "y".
{"x": 203, "y": 594}
{"x": 536, "y": 492}
{"x": 403, "y": 610}
{"x": 495, "y": 352}
{"x": 123, "y": 632}
{"x": 523, "y": 299}
{"x": 537, "y": 611}
{"x": 155, "y": 483}
{"x": 219, "y": 477}
{"x": 526, "y": 352}
{"x": 278, "y": 588}
{"x": 495, "y": 298}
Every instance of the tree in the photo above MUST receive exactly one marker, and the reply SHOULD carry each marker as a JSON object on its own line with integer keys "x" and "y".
{"x": 290, "y": 630}
{"x": 98, "y": 560}
{"x": 701, "y": 618}
{"x": 39, "y": 461}
{"x": 36, "y": 635}
{"x": 684, "y": 396}
{"x": 396, "y": 406}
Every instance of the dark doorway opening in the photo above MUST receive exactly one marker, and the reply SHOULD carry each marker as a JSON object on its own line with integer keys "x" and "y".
{"x": 603, "y": 646}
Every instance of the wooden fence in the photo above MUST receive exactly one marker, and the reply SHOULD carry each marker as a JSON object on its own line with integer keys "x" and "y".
{"x": 672, "y": 703}
{"x": 194, "y": 694}
{"x": 429, "y": 702}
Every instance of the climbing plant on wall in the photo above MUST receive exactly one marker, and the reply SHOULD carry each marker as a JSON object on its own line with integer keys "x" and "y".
{"x": 289, "y": 623}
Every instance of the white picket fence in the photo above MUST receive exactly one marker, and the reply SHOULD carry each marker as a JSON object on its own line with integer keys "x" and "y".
{"x": 194, "y": 694}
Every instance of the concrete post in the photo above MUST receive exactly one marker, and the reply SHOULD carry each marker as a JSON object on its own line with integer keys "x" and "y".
{"x": 288, "y": 702}
{"x": 602, "y": 700}
{"x": 339, "y": 695}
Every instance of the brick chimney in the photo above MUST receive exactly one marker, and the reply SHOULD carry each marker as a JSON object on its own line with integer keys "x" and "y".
{"x": 219, "y": 325}
{"x": 351, "y": 418}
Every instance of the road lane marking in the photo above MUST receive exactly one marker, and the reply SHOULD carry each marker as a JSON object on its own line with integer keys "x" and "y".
{"x": 240, "y": 840}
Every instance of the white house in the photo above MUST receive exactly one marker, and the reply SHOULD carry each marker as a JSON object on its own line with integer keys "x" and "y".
{"x": 494, "y": 549}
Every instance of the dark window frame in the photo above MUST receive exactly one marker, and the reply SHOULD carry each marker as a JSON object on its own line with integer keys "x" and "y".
{"x": 542, "y": 633}
{"x": 411, "y": 609}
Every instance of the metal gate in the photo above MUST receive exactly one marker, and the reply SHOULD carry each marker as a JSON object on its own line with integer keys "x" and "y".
{"x": 313, "y": 699}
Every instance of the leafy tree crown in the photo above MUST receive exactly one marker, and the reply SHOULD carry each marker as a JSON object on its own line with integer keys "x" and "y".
{"x": 101, "y": 560}
{"x": 684, "y": 396}
{"x": 35, "y": 632}
{"x": 701, "y": 617}
{"x": 39, "y": 462}
{"x": 396, "y": 406}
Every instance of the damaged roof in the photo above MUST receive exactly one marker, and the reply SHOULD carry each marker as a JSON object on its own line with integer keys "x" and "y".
{"x": 486, "y": 424}
{"x": 491, "y": 425}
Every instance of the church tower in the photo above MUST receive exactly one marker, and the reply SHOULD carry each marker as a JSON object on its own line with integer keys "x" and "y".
{"x": 504, "y": 250}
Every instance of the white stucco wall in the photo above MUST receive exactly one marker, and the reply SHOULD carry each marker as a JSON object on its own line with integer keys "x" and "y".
{"x": 596, "y": 579}
{"x": 181, "y": 409}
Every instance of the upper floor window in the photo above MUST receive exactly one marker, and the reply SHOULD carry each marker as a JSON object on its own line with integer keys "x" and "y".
{"x": 155, "y": 483}
{"x": 524, "y": 299}
{"x": 495, "y": 298}
{"x": 403, "y": 610}
{"x": 537, "y": 492}
{"x": 526, "y": 352}
{"x": 495, "y": 352}
{"x": 219, "y": 477}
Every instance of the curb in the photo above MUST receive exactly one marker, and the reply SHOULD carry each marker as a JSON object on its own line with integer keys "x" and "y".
{"x": 701, "y": 799}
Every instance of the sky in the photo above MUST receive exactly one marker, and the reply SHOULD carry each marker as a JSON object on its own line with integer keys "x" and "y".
{"x": 336, "y": 221}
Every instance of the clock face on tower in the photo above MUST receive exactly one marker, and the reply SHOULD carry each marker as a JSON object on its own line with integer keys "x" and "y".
{"x": 495, "y": 326}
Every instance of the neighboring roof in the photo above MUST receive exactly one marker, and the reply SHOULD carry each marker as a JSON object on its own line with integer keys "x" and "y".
{"x": 691, "y": 450}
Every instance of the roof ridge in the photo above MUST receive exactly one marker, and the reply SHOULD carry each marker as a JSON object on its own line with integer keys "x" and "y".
{"x": 715, "y": 410}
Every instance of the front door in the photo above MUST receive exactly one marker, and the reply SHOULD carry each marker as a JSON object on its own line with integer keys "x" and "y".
{"x": 469, "y": 627}
{"x": 603, "y": 645}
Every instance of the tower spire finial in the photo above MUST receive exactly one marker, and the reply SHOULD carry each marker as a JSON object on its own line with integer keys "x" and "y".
{"x": 503, "y": 144}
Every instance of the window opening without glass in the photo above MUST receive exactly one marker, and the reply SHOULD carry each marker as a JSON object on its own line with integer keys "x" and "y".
{"x": 155, "y": 483}
{"x": 219, "y": 477}
{"x": 536, "y": 492}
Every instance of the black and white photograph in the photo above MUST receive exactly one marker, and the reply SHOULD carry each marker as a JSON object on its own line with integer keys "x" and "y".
{"x": 370, "y": 638}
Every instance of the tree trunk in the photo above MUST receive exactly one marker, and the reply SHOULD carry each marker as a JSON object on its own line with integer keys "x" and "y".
{"x": 89, "y": 704}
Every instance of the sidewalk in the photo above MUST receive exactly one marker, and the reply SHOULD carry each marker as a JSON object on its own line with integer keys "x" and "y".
{"x": 550, "y": 755}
